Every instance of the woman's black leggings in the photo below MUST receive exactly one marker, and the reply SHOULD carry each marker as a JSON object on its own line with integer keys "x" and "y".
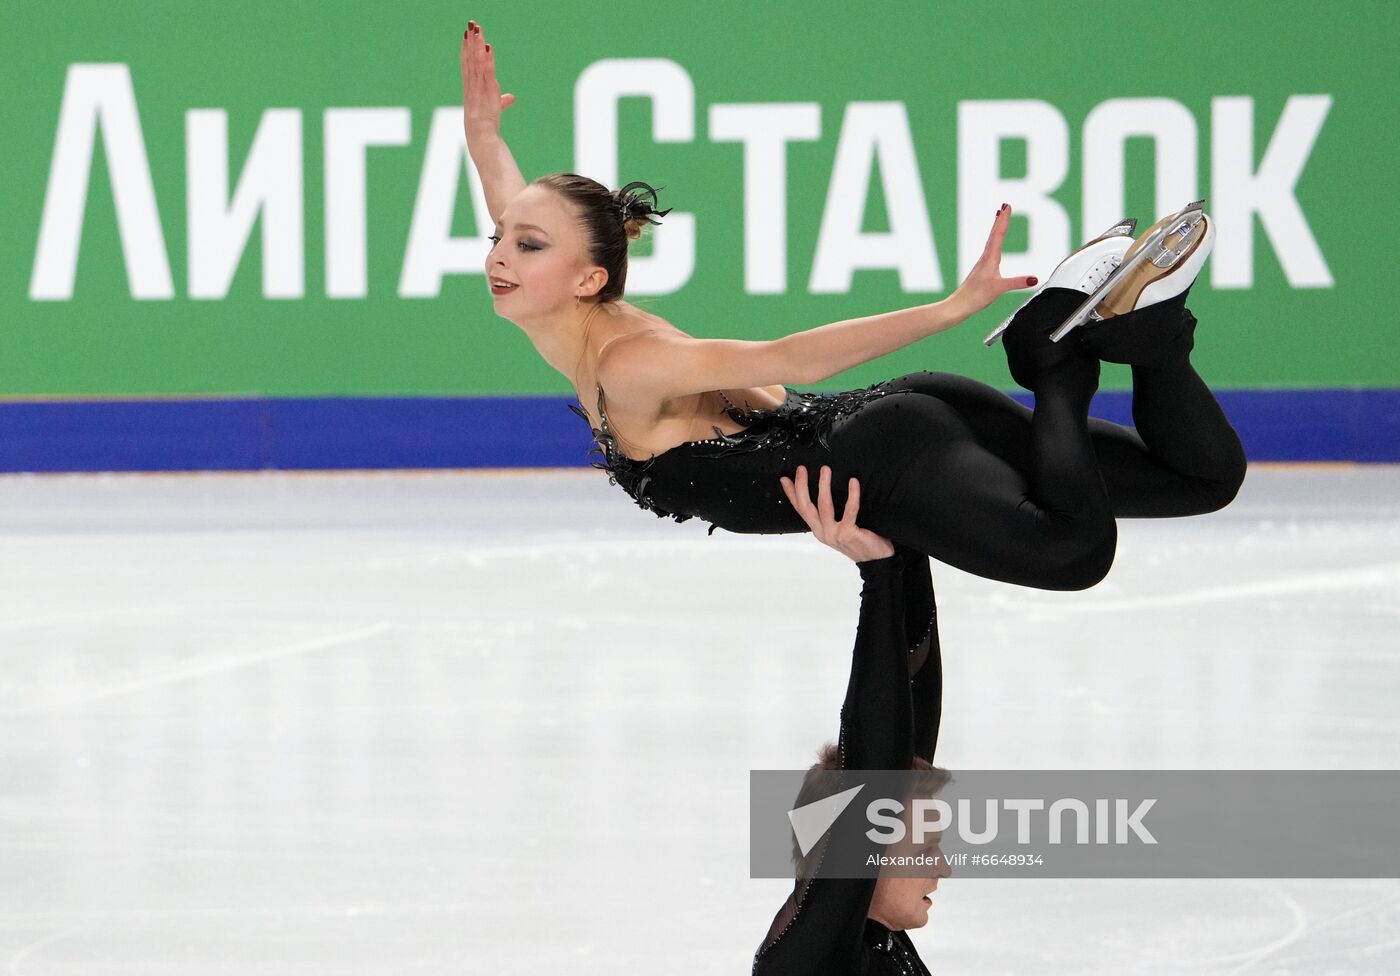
{"x": 963, "y": 473}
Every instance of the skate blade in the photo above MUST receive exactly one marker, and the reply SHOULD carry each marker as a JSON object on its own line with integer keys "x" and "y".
{"x": 1185, "y": 235}
{"x": 997, "y": 333}
{"x": 1184, "y": 221}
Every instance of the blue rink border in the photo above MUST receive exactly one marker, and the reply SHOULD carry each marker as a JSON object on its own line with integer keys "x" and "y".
{"x": 252, "y": 434}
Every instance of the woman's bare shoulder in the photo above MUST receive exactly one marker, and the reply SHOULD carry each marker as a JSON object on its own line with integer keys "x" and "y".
{"x": 628, "y": 360}
{"x": 644, "y": 318}
{"x": 624, "y": 358}
{"x": 642, "y": 335}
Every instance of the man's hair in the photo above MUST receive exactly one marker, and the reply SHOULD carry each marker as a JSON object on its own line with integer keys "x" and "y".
{"x": 819, "y": 784}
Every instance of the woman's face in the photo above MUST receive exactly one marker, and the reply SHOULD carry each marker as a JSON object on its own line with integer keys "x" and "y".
{"x": 539, "y": 266}
{"x": 904, "y": 903}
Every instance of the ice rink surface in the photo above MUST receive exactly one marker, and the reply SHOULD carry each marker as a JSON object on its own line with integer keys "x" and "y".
{"x": 480, "y": 723}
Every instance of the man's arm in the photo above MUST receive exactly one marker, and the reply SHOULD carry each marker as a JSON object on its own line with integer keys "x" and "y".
{"x": 925, "y": 657}
{"x": 877, "y": 717}
{"x": 877, "y": 725}
{"x": 821, "y": 927}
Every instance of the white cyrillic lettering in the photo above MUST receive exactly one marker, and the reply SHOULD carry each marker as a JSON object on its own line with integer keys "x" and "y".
{"x": 270, "y": 185}
{"x": 672, "y": 96}
{"x": 875, "y": 134}
{"x": 765, "y": 130}
{"x": 100, "y": 95}
{"x": 982, "y": 127}
{"x": 349, "y": 132}
{"x": 432, "y": 250}
{"x": 1238, "y": 191}
{"x": 1172, "y": 129}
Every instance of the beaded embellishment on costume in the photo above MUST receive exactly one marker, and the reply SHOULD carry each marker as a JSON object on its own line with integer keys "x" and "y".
{"x": 628, "y": 473}
{"x": 802, "y": 419}
{"x": 899, "y": 955}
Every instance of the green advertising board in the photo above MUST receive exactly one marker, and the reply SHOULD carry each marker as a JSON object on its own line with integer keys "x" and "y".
{"x": 273, "y": 199}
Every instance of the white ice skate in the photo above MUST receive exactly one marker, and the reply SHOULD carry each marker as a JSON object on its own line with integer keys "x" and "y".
{"x": 1084, "y": 270}
{"x": 1161, "y": 263}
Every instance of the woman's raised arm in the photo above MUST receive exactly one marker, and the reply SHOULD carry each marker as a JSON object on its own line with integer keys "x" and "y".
{"x": 671, "y": 366}
{"x": 482, "y": 105}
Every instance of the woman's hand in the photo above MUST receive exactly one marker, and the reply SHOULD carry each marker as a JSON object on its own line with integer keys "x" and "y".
{"x": 984, "y": 284}
{"x": 841, "y": 534}
{"x": 482, "y": 101}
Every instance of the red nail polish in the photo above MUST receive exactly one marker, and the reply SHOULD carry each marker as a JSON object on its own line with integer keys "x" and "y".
{"x": 1032, "y": 280}
{"x": 488, "y": 49}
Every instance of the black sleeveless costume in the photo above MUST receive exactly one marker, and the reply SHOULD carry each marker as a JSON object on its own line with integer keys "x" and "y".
{"x": 961, "y": 472}
{"x": 891, "y": 714}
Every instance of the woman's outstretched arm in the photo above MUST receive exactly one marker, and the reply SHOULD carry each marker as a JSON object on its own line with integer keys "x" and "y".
{"x": 482, "y": 105}
{"x": 670, "y": 365}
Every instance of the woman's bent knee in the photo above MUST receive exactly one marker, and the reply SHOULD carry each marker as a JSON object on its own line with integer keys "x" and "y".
{"x": 1091, "y": 568}
{"x": 1215, "y": 492}
{"x": 1075, "y": 562}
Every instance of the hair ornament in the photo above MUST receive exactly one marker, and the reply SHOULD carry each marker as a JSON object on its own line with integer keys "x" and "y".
{"x": 637, "y": 201}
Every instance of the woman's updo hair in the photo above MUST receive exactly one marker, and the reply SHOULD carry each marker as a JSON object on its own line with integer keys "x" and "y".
{"x": 610, "y": 220}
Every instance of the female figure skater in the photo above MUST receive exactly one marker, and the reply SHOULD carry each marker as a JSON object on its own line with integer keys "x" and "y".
{"x": 839, "y": 926}
{"x": 951, "y": 467}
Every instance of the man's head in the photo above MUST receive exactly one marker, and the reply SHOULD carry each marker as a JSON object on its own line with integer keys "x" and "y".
{"x": 900, "y": 901}
{"x": 901, "y": 898}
